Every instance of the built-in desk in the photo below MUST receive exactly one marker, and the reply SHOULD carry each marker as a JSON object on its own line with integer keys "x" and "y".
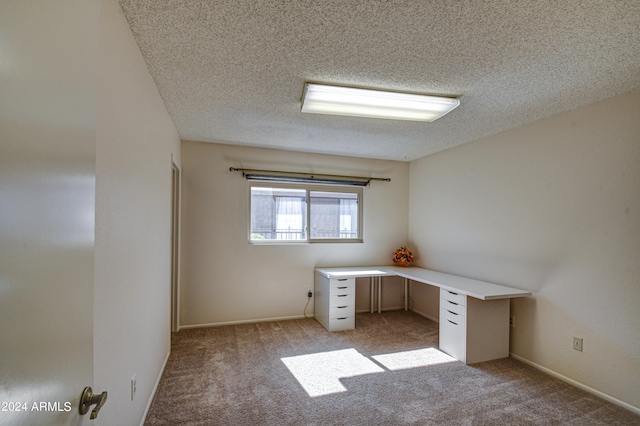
{"x": 474, "y": 315}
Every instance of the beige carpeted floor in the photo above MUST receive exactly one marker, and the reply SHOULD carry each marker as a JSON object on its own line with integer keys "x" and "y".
{"x": 387, "y": 371}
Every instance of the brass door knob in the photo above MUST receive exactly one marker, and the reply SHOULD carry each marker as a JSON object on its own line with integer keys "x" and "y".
{"x": 87, "y": 399}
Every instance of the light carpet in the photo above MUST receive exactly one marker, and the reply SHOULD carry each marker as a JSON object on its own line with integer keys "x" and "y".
{"x": 387, "y": 371}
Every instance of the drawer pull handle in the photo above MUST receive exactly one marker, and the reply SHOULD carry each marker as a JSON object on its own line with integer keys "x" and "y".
{"x": 342, "y": 279}
{"x": 452, "y": 292}
{"x": 341, "y": 307}
{"x": 454, "y": 323}
{"x": 341, "y": 295}
{"x": 452, "y": 313}
{"x": 342, "y": 318}
{"x": 341, "y": 288}
{"x": 453, "y": 303}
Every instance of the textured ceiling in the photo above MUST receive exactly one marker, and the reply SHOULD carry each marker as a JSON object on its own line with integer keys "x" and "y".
{"x": 233, "y": 71}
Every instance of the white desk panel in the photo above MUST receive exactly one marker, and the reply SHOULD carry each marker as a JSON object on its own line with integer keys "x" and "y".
{"x": 475, "y": 288}
{"x": 356, "y": 272}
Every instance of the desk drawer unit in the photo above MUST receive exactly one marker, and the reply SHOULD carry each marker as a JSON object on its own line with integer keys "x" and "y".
{"x": 453, "y": 324}
{"x": 334, "y": 304}
{"x": 473, "y": 330}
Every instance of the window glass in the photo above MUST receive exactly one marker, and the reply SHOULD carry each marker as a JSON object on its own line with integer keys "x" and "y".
{"x": 278, "y": 214}
{"x": 333, "y": 215}
{"x": 305, "y": 213}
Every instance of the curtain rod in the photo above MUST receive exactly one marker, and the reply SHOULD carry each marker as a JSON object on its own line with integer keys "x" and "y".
{"x": 310, "y": 176}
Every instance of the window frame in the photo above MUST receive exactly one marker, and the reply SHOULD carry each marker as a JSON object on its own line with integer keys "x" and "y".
{"x": 359, "y": 191}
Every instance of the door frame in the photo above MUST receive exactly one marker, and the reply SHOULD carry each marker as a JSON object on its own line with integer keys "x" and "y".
{"x": 175, "y": 246}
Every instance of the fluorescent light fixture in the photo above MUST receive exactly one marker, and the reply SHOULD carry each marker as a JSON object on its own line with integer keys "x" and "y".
{"x": 337, "y": 100}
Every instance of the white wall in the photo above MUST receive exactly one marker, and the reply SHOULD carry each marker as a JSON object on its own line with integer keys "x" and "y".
{"x": 225, "y": 279}
{"x": 553, "y": 207}
{"x": 135, "y": 143}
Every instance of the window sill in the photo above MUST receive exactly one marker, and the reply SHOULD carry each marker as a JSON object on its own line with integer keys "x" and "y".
{"x": 303, "y": 242}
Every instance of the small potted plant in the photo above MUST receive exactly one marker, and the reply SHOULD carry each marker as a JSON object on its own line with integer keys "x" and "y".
{"x": 403, "y": 256}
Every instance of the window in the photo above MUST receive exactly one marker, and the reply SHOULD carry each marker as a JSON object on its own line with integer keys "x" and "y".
{"x": 305, "y": 213}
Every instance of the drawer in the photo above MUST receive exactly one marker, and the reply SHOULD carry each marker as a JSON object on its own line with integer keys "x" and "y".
{"x": 345, "y": 323}
{"x": 453, "y": 336}
{"x": 454, "y": 297}
{"x": 453, "y": 307}
{"x": 342, "y": 311}
{"x": 342, "y": 299}
{"x": 452, "y": 317}
{"x": 342, "y": 283}
{"x": 337, "y": 291}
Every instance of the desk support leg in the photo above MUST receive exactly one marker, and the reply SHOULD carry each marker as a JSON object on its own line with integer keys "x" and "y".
{"x": 372, "y": 292}
{"x": 379, "y": 294}
{"x": 406, "y": 293}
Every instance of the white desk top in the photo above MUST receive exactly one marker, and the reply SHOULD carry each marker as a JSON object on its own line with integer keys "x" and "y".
{"x": 479, "y": 289}
{"x": 356, "y": 272}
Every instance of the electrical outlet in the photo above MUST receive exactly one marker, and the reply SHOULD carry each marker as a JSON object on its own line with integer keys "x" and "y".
{"x": 133, "y": 386}
{"x": 309, "y": 293}
{"x": 577, "y": 343}
{"x": 512, "y": 321}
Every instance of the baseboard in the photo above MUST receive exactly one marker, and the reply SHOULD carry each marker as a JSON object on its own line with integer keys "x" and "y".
{"x": 390, "y": 308}
{"x": 401, "y": 308}
{"x": 579, "y": 385}
{"x": 155, "y": 388}
{"x": 255, "y": 320}
{"x": 422, "y": 314}
{"x": 250, "y": 321}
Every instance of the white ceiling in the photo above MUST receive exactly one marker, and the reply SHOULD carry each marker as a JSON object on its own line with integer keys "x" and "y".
{"x": 233, "y": 71}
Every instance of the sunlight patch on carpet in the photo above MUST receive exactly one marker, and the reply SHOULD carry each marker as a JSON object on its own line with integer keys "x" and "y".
{"x": 413, "y": 359}
{"x": 320, "y": 373}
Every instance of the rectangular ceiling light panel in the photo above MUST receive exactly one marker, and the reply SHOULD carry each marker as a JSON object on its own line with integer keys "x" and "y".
{"x": 336, "y": 100}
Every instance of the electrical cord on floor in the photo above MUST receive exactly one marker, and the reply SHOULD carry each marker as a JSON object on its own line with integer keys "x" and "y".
{"x": 410, "y": 304}
{"x": 304, "y": 312}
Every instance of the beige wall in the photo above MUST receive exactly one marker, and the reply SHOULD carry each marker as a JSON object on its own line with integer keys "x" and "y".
{"x": 553, "y": 207}
{"x": 135, "y": 143}
{"x": 225, "y": 279}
